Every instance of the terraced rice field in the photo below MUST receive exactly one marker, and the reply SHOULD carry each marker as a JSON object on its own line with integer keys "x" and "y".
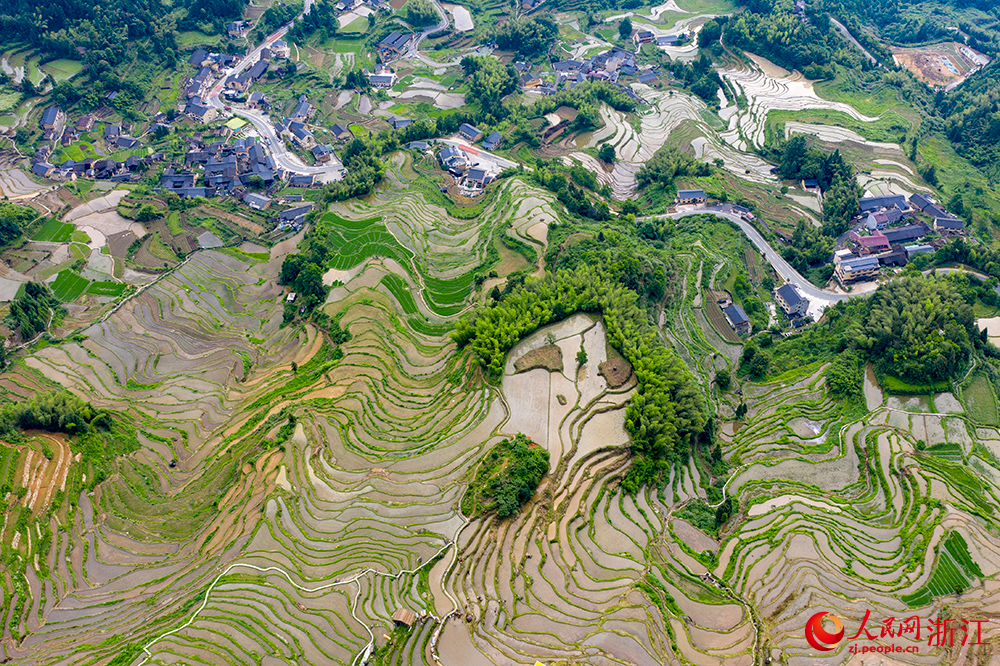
{"x": 54, "y": 231}
{"x": 68, "y": 286}
{"x": 238, "y": 535}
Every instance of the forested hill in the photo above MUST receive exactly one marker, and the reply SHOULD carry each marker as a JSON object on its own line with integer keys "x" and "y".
{"x": 106, "y": 28}
{"x": 968, "y": 115}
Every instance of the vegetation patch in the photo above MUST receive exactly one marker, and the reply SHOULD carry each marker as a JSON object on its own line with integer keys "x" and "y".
{"x": 953, "y": 572}
{"x": 548, "y": 357}
{"x": 68, "y": 286}
{"x": 507, "y": 478}
{"x": 54, "y": 231}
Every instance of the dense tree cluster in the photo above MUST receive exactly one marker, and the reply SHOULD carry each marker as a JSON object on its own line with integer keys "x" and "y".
{"x": 421, "y": 13}
{"x": 110, "y": 30}
{"x": 699, "y": 76}
{"x": 489, "y": 82}
{"x": 54, "y": 412}
{"x": 834, "y": 175}
{"x": 667, "y": 409}
{"x": 320, "y": 21}
{"x": 576, "y": 200}
{"x": 920, "y": 329}
{"x": 973, "y": 120}
{"x": 528, "y": 36}
{"x": 769, "y": 28}
{"x": 275, "y": 16}
{"x": 304, "y": 274}
{"x": 365, "y": 169}
{"x": 808, "y": 246}
{"x": 506, "y": 478}
{"x": 12, "y": 220}
{"x": 668, "y": 164}
{"x": 32, "y": 310}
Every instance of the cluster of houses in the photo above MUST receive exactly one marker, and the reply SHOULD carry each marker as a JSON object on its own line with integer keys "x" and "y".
{"x": 471, "y": 176}
{"x": 787, "y": 296}
{"x": 224, "y": 169}
{"x": 55, "y": 129}
{"x": 606, "y": 66}
{"x": 381, "y": 77}
{"x": 886, "y": 245}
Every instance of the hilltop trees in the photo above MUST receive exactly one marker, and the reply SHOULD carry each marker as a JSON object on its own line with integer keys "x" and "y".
{"x": 625, "y": 28}
{"x": 667, "y": 410}
{"x": 666, "y": 165}
{"x": 920, "y": 329}
{"x": 32, "y": 310}
{"x": 489, "y": 82}
{"x": 421, "y": 13}
{"x": 528, "y": 36}
{"x": 834, "y": 175}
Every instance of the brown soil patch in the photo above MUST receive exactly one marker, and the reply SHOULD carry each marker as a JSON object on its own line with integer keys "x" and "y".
{"x": 548, "y": 357}
{"x": 718, "y": 319}
{"x": 43, "y": 477}
{"x": 119, "y": 243}
{"x": 938, "y": 65}
{"x": 397, "y": 4}
{"x": 146, "y": 259}
{"x": 567, "y": 113}
{"x": 330, "y": 392}
{"x": 616, "y": 370}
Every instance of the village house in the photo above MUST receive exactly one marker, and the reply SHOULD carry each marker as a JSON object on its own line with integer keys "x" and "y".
{"x": 492, "y": 141}
{"x": 382, "y": 77}
{"x": 872, "y": 204}
{"x": 256, "y": 201}
{"x": 737, "y": 318}
{"x": 857, "y": 270}
{"x": 322, "y": 152}
{"x": 690, "y": 197}
{"x": 395, "y": 44}
{"x": 792, "y": 302}
{"x": 469, "y": 132}
{"x": 341, "y": 133}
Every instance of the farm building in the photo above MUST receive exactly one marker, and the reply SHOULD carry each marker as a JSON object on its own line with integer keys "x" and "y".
{"x": 737, "y": 318}
{"x": 690, "y": 197}
{"x": 469, "y": 132}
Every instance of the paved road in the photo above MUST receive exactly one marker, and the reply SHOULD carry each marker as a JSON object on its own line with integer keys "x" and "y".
{"x": 819, "y": 299}
{"x": 842, "y": 29}
{"x": 283, "y": 157}
{"x": 415, "y": 44}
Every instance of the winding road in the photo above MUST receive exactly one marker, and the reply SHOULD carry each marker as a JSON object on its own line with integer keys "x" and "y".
{"x": 846, "y": 34}
{"x": 819, "y": 299}
{"x": 283, "y": 157}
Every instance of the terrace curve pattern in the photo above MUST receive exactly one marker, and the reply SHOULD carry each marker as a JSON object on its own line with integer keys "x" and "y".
{"x": 311, "y": 501}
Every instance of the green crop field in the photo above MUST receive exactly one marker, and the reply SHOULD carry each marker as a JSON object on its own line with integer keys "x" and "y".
{"x": 401, "y": 292}
{"x": 980, "y": 401}
{"x": 8, "y": 465}
{"x": 953, "y": 572}
{"x": 54, "y": 231}
{"x": 357, "y": 240}
{"x": 106, "y": 288}
{"x": 69, "y": 286}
